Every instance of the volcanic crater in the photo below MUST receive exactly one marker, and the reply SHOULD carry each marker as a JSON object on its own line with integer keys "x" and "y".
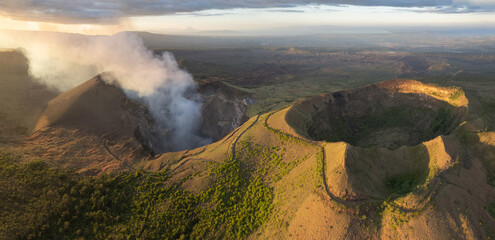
{"x": 389, "y": 114}
{"x": 96, "y": 120}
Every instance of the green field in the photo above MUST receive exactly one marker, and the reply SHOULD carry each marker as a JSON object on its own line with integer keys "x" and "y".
{"x": 277, "y": 77}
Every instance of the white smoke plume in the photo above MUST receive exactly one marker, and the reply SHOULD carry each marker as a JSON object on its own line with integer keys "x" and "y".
{"x": 63, "y": 61}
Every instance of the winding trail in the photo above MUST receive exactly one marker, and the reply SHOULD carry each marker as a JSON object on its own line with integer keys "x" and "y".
{"x": 240, "y": 135}
{"x": 327, "y": 189}
{"x": 229, "y": 136}
{"x": 194, "y": 159}
{"x": 323, "y": 175}
{"x": 104, "y": 144}
{"x": 429, "y": 195}
{"x": 186, "y": 158}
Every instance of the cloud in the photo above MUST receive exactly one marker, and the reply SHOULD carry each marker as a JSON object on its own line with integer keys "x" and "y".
{"x": 63, "y": 61}
{"x": 450, "y": 9}
{"x": 286, "y": 10}
{"x": 110, "y": 11}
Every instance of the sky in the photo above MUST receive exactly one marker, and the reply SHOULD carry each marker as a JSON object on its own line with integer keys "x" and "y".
{"x": 252, "y": 16}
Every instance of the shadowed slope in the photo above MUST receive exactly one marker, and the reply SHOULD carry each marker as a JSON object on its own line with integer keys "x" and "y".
{"x": 97, "y": 124}
{"x": 388, "y": 114}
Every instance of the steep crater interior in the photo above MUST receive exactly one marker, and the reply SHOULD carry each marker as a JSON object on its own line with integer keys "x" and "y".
{"x": 375, "y": 116}
{"x": 222, "y": 111}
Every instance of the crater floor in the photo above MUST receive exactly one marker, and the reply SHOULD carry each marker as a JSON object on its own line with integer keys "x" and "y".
{"x": 390, "y": 114}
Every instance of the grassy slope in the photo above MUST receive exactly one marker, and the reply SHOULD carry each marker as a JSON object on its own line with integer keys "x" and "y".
{"x": 272, "y": 189}
{"x": 289, "y": 196}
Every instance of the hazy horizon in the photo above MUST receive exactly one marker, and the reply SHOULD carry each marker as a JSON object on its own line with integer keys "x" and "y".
{"x": 252, "y": 18}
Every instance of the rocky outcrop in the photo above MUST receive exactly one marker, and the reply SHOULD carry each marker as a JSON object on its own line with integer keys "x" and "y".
{"x": 223, "y": 109}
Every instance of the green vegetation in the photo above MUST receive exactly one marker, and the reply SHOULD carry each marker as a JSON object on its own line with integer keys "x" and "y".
{"x": 441, "y": 124}
{"x": 390, "y": 127}
{"x": 375, "y": 120}
{"x": 48, "y": 203}
{"x": 40, "y": 202}
{"x": 393, "y": 116}
{"x": 456, "y": 95}
{"x": 239, "y": 88}
{"x": 404, "y": 183}
{"x": 396, "y": 216}
{"x": 339, "y": 132}
{"x": 491, "y": 209}
{"x": 239, "y": 204}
